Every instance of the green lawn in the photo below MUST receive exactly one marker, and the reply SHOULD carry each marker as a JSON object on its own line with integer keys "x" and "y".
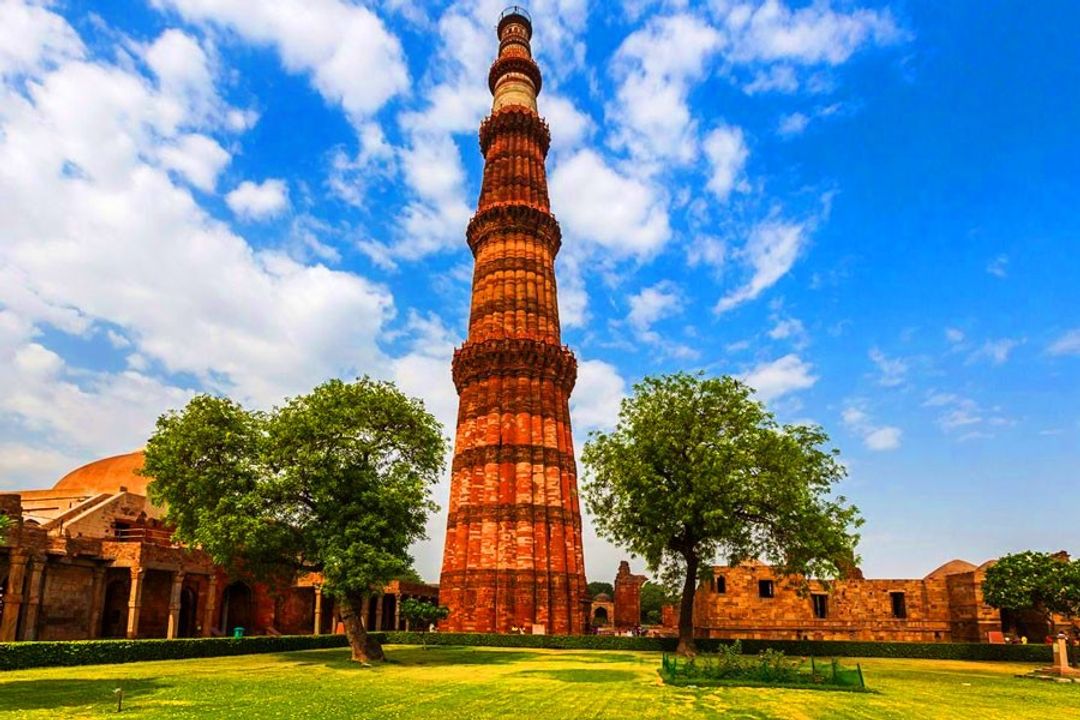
{"x": 523, "y": 684}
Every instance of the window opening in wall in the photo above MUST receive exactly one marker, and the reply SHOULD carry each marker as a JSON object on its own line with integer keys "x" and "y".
{"x": 899, "y": 605}
{"x": 766, "y": 589}
{"x": 721, "y": 585}
{"x": 821, "y": 605}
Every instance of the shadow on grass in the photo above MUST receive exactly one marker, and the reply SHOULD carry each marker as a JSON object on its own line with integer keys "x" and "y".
{"x": 582, "y": 676}
{"x": 48, "y": 694}
{"x": 338, "y": 658}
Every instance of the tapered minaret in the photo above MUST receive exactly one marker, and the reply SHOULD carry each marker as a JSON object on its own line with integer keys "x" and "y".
{"x": 513, "y": 552}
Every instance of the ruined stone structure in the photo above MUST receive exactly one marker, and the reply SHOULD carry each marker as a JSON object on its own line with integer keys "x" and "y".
{"x": 627, "y": 597}
{"x": 753, "y": 601}
{"x": 513, "y": 555}
{"x": 91, "y": 558}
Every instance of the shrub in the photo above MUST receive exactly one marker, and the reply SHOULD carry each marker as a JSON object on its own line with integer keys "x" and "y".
{"x": 19, "y": 655}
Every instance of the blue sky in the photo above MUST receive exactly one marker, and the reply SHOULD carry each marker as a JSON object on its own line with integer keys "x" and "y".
{"x": 865, "y": 210}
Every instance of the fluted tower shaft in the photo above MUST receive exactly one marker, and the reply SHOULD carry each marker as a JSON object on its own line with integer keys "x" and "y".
{"x": 513, "y": 553}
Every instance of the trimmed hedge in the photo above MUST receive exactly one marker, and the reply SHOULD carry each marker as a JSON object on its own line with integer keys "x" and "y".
{"x": 18, "y": 655}
{"x": 818, "y": 648}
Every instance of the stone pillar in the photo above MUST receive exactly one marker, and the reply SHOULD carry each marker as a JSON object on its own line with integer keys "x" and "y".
{"x": 174, "y": 605}
{"x": 378, "y": 613}
{"x": 318, "y": 610}
{"x": 9, "y": 624}
{"x": 33, "y": 600}
{"x": 135, "y": 602}
{"x": 406, "y": 617}
{"x": 211, "y": 606}
{"x": 397, "y": 611}
{"x": 97, "y": 600}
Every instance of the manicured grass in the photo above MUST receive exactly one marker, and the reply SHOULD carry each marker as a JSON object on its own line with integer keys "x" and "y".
{"x": 449, "y": 682}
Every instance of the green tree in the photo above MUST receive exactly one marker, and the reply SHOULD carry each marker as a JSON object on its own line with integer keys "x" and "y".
{"x": 596, "y": 587}
{"x": 696, "y": 467}
{"x": 421, "y": 615}
{"x": 337, "y": 481}
{"x": 1034, "y": 581}
{"x": 654, "y": 597}
{"x": 5, "y": 526}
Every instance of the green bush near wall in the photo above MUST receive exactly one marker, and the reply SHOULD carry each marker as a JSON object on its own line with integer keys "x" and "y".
{"x": 20, "y": 655}
{"x": 817, "y": 648}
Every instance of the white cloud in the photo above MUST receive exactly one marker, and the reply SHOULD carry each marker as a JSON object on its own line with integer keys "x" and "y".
{"x": 772, "y": 249}
{"x": 259, "y": 201}
{"x": 994, "y": 351}
{"x": 875, "y": 437}
{"x": 1067, "y": 344}
{"x": 709, "y": 250}
{"x": 780, "y": 377}
{"x": 655, "y": 67}
{"x": 793, "y": 124}
{"x": 594, "y": 202}
{"x": 778, "y": 78}
{"x": 32, "y": 37}
{"x": 569, "y": 126}
{"x": 999, "y": 266}
{"x": 353, "y": 60}
{"x": 788, "y": 328}
{"x": 184, "y": 74}
{"x": 962, "y": 415}
{"x": 652, "y": 304}
{"x": 198, "y": 158}
{"x": 891, "y": 371}
{"x": 595, "y": 401}
{"x": 954, "y": 335}
{"x": 727, "y": 152}
{"x": 812, "y": 34}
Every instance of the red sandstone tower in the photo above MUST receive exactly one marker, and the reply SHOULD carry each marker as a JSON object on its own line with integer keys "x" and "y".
{"x": 513, "y": 552}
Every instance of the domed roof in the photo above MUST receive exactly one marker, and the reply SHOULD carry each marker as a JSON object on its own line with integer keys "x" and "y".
{"x": 107, "y": 475}
{"x": 602, "y": 597}
{"x": 951, "y": 568}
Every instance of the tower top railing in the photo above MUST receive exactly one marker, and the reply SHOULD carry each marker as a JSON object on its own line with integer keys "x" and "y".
{"x": 515, "y": 11}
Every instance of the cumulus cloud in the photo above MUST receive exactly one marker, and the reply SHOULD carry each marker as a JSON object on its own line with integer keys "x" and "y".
{"x": 599, "y": 390}
{"x": 780, "y": 377}
{"x": 351, "y": 57}
{"x": 727, "y": 152}
{"x": 200, "y": 159}
{"x": 793, "y": 124}
{"x": 811, "y": 34}
{"x": 655, "y": 67}
{"x": 596, "y": 203}
{"x": 135, "y": 255}
{"x": 651, "y": 305}
{"x": 32, "y": 37}
{"x": 259, "y": 201}
{"x": 875, "y": 437}
{"x": 771, "y": 251}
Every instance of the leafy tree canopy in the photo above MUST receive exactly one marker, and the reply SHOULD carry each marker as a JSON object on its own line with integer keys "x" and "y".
{"x": 654, "y": 597}
{"x": 696, "y": 468}
{"x": 597, "y": 587}
{"x": 1044, "y": 582}
{"x": 336, "y": 481}
{"x": 5, "y": 526}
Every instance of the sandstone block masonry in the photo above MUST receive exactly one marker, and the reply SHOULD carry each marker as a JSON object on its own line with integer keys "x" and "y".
{"x": 513, "y": 556}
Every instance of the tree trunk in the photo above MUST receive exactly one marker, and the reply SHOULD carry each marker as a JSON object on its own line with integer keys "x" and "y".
{"x": 364, "y": 647}
{"x": 686, "y": 646}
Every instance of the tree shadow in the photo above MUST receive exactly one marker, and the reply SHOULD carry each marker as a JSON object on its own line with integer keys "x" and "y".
{"x": 50, "y": 694}
{"x": 411, "y": 657}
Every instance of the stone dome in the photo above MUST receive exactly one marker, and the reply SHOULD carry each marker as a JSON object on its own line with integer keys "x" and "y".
{"x": 951, "y": 568}
{"x": 107, "y": 475}
{"x": 602, "y": 597}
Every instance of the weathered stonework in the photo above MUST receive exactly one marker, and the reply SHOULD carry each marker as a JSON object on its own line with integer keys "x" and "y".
{"x": 513, "y": 556}
{"x": 627, "y": 597}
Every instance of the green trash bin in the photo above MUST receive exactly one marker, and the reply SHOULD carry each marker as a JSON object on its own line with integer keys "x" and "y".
{"x": 238, "y": 632}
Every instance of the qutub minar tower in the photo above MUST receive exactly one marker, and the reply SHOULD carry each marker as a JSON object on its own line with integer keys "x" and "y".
{"x": 513, "y": 556}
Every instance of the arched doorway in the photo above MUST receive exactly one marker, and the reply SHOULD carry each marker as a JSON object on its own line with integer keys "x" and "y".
{"x": 600, "y": 617}
{"x": 188, "y": 601}
{"x": 237, "y": 608}
{"x": 114, "y": 609}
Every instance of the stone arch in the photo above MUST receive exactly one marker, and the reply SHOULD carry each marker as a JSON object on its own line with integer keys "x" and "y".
{"x": 237, "y": 607}
{"x": 114, "y": 608}
{"x": 189, "y": 600}
{"x": 600, "y": 616}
